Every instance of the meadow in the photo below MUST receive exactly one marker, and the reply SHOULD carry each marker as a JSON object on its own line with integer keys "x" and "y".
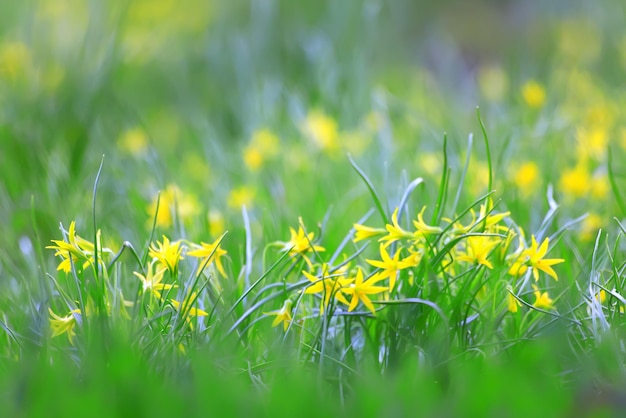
{"x": 356, "y": 208}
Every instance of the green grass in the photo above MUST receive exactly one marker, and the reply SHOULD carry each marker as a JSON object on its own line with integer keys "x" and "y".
{"x": 284, "y": 143}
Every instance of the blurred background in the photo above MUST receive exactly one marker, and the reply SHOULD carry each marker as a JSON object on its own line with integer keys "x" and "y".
{"x": 221, "y": 104}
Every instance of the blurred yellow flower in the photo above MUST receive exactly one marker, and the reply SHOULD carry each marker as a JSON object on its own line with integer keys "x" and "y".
{"x": 196, "y": 167}
{"x": 512, "y": 303}
{"x": 282, "y": 316}
{"x": 322, "y": 130}
{"x": 187, "y": 310}
{"x": 151, "y": 282}
{"x": 209, "y": 253}
{"x": 542, "y": 300}
{"x": 579, "y": 40}
{"x": 60, "y": 325}
{"x": 527, "y": 177}
{"x": 217, "y": 224}
{"x": 575, "y": 182}
{"x": 173, "y": 201}
{"x": 15, "y": 60}
{"x": 590, "y": 226}
{"x": 252, "y": 158}
{"x": 241, "y": 196}
{"x": 493, "y": 83}
{"x": 266, "y": 142}
{"x": 534, "y": 94}
{"x": 592, "y": 143}
{"x": 133, "y": 141}
{"x": 429, "y": 162}
{"x": 600, "y": 186}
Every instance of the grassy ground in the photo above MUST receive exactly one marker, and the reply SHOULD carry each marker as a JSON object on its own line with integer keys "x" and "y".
{"x": 338, "y": 208}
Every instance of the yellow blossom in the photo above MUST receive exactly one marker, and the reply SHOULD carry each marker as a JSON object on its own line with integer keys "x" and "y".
{"x": 330, "y": 285}
{"x": 322, "y": 131}
{"x": 216, "y": 222}
{"x": 252, "y": 158}
{"x": 477, "y": 249}
{"x": 423, "y": 229}
{"x": 533, "y": 257}
{"x": 151, "y": 282}
{"x": 575, "y": 182}
{"x": 209, "y": 253}
{"x": 534, "y": 94}
{"x": 360, "y": 291}
{"x": 241, "y": 196}
{"x": 512, "y": 302}
{"x": 134, "y": 142}
{"x": 64, "y": 324}
{"x": 15, "y": 60}
{"x": 363, "y": 232}
{"x": 300, "y": 243}
{"x": 266, "y": 142}
{"x": 600, "y": 186}
{"x": 395, "y": 231}
{"x": 167, "y": 253}
{"x": 185, "y": 308}
{"x": 76, "y": 249}
{"x": 592, "y": 143}
{"x": 389, "y": 266}
{"x": 283, "y": 315}
{"x": 493, "y": 83}
{"x": 173, "y": 201}
{"x": 590, "y": 226}
{"x": 542, "y": 300}
{"x": 527, "y": 177}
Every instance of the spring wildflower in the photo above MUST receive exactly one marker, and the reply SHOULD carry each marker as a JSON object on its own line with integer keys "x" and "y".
{"x": 330, "y": 285}
{"x": 282, "y": 315}
{"x": 360, "y": 291}
{"x": 186, "y": 309}
{"x": 533, "y": 257}
{"x": 217, "y": 224}
{"x": 173, "y": 201}
{"x": 534, "y": 94}
{"x": 512, "y": 303}
{"x": 151, "y": 282}
{"x": 64, "y": 324}
{"x": 493, "y": 82}
{"x": 133, "y": 142}
{"x": 421, "y": 228}
{"x": 15, "y": 60}
{"x": 526, "y": 177}
{"x": 395, "y": 231}
{"x": 542, "y": 300}
{"x": 363, "y": 232}
{"x": 575, "y": 182}
{"x": 241, "y": 196}
{"x": 76, "y": 249}
{"x": 389, "y": 265}
{"x": 477, "y": 249}
{"x": 167, "y": 253}
{"x": 209, "y": 253}
{"x": 301, "y": 243}
{"x": 322, "y": 131}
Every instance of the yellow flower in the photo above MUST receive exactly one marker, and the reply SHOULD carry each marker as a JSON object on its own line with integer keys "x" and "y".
{"x": 421, "y": 228}
{"x": 300, "y": 243}
{"x": 216, "y": 222}
{"x": 134, "y": 142}
{"x": 365, "y": 232}
{"x": 395, "y": 231}
{"x": 283, "y": 315}
{"x": 322, "y": 130}
{"x": 360, "y": 291}
{"x": 600, "y": 186}
{"x": 542, "y": 300}
{"x": 590, "y": 226}
{"x": 64, "y": 325}
{"x": 575, "y": 182}
{"x": 512, "y": 302}
{"x": 15, "y": 60}
{"x": 167, "y": 253}
{"x": 151, "y": 282}
{"x": 534, "y": 94}
{"x": 493, "y": 83}
{"x": 592, "y": 143}
{"x": 526, "y": 177}
{"x": 266, "y": 142}
{"x": 77, "y": 249}
{"x": 186, "y": 309}
{"x": 533, "y": 257}
{"x": 390, "y": 266}
{"x": 477, "y": 249}
{"x": 252, "y": 158}
{"x": 330, "y": 285}
{"x": 241, "y": 196}
{"x": 209, "y": 253}
{"x": 173, "y": 201}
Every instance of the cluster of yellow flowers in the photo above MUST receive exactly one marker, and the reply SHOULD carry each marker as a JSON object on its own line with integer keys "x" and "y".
{"x": 452, "y": 250}
{"x": 79, "y": 254}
